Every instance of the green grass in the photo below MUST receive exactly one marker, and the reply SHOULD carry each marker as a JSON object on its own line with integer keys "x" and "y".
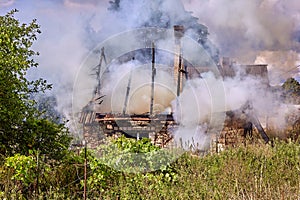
{"x": 254, "y": 172}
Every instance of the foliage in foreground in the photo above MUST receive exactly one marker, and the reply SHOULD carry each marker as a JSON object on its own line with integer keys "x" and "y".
{"x": 22, "y": 126}
{"x": 252, "y": 172}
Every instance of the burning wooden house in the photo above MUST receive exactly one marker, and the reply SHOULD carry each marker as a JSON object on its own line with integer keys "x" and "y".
{"x": 158, "y": 126}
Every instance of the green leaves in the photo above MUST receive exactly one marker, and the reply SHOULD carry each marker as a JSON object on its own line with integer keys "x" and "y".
{"x": 256, "y": 171}
{"x": 136, "y": 156}
{"x": 21, "y": 124}
{"x": 291, "y": 89}
{"x": 23, "y": 166}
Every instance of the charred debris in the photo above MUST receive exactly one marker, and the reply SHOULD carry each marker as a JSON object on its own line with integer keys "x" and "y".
{"x": 159, "y": 126}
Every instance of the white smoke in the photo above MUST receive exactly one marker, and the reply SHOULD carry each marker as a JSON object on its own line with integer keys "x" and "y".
{"x": 246, "y": 29}
{"x": 193, "y": 109}
{"x": 251, "y": 31}
{"x": 62, "y": 44}
{"x": 139, "y": 88}
{"x": 281, "y": 64}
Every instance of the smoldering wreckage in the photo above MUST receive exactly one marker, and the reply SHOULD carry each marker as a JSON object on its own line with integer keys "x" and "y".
{"x": 153, "y": 110}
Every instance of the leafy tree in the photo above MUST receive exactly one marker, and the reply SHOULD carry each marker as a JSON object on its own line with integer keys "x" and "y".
{"x": 291, "y": 89}
{"x": 21, "y": 125}
{"x": 47, "y": 104}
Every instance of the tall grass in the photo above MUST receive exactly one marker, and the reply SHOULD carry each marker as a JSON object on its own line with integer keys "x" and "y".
{"x": 252, "y": 172}
{"x": 256, "y": 171}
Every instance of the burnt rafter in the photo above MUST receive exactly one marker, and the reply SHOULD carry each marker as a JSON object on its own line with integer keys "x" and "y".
{"x": 250, "y": 120}
{"x": 159, "y": 126}
{"x": 97, "y": 71}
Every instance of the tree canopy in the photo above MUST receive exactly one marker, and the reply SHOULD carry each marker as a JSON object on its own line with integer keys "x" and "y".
{"x": 21, "y": 124}
{"x": 291, "y": 89}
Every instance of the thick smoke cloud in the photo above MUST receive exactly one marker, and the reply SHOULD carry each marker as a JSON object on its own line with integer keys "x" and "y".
{"x": 260, "y": 31}
{"x": 62, "y": 44}
{"x": 257, "y": 30}
{"x": 140, "y": 88}
{"x": 249, "y": 31}
{"x": 280, "y": 64}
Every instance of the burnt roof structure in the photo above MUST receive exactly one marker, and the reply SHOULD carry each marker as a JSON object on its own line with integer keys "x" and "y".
{"x": 151, "y": 124}
{"x": 230, "y": 68}
{"x": 158, "y": 126}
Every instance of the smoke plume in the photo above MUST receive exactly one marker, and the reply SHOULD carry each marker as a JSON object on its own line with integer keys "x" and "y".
{"x": 257, "y": 30}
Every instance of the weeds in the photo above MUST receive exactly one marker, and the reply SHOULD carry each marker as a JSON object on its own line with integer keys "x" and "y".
{"x": 253, "y": 172}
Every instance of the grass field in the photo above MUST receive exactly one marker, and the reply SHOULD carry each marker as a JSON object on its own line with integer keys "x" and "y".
{"x": 256, "y": 171}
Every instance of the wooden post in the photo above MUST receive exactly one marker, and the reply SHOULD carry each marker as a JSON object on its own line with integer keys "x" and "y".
{"x": 38, "y": 173}
{"x": 152, "y": 80}
{"x": 85, "y": 171}
{"x": 127, "y": 92}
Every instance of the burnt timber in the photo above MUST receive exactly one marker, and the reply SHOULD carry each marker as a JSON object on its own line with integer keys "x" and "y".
{"x": 157, "y": 126}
